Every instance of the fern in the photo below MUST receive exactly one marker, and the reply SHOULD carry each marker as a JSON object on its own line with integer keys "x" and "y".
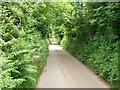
{"x": 6, "y": 81}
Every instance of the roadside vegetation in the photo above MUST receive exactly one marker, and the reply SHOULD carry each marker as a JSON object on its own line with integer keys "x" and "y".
{"x": 24, "y": 49}
{"x": 93, "y": 38}
{"x": 89, "y": 31}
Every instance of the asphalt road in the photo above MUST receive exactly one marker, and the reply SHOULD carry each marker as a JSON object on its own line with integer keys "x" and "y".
{"x": 65, "y": 71}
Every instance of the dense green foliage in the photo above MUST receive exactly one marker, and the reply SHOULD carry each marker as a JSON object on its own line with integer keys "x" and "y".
{"x": 93, "y": 38}
{"x": 89, "y": 31}
{"x": 24, "y": 51}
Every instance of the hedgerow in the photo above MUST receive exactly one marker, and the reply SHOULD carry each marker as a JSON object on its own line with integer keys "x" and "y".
{"x": 94, "y": 39}
{"x": 24, "y": 50}
{"x": 89, "y": 31}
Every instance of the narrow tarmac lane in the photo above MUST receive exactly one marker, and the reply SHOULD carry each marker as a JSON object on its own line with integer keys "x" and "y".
{"x": 65, "y": 71}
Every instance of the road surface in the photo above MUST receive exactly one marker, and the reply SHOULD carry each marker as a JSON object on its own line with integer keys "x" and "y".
{"x": 65, "y": 71}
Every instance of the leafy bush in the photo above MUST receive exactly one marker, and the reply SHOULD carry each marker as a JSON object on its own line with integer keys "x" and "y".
{"x": 24, "y": 51}
{"x": 95, "y": 40}
{"x": 89, "y": 31}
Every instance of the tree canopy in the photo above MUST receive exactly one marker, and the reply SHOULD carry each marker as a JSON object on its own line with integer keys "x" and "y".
{"x": 88, "y": 30}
